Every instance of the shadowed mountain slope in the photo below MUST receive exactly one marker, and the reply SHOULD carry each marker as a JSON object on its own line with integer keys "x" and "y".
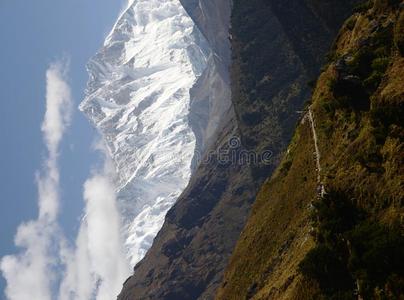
{"x": 276, "y": 50}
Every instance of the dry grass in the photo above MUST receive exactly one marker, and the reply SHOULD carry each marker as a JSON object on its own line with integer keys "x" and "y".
{"x": 277, "y": 236}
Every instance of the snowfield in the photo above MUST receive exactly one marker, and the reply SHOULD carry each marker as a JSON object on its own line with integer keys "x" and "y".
{"x": 139, "y": 98}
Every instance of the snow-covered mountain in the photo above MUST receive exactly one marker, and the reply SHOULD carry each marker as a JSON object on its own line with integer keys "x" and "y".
{"x": 156, "y": 93}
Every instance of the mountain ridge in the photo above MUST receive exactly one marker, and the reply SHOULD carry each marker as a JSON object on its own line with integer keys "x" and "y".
{"x": 138, "y": 98}
{"x": 189, "y": 254}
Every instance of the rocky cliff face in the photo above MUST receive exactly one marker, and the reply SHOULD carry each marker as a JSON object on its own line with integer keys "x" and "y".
{"x": 274, "y": 56}
{"x": 211, "y": 94}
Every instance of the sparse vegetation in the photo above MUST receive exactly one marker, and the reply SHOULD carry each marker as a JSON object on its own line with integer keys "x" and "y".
{"x": 324, "y": 265}
{"x": 361, "y": 72}
{"x": 354, "y": 237}
{"x": 350, "y": 234}
{"x": 352, "y": 249}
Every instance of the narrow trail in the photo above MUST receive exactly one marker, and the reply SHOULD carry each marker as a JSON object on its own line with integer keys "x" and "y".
{"x": 321, "y": 188}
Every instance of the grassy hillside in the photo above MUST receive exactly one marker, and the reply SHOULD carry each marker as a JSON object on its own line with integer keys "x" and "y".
{"x": 349, "y": 242}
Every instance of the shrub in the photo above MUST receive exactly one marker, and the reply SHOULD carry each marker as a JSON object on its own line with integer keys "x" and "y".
{"x": 379, "y": 67}
{"x": 362, "y": 62}
{"x": 328, "y": 105}
{"x": 365, "y": 72}
{"x": 373, "y": 81}
{"x": 336, "y": 214}
{"x": 380, "y": 64}
{"x": 327, "y": 127}
{"x": 387, "y": 115}
{"x": 354, "y": 249}
{"x": 377, "y": 252}
{"x": 376, "y": 52}
{"x": 382, "y": 52}
{"x": 324, "y": 266}
{"x": 383, "y": 37}
{"x": 350, "y": 93}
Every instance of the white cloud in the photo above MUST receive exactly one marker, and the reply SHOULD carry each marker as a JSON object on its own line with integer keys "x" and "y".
{"x": 47, "y": 267}
{"x": 58, "y": 106}
{"x": 97, "y": 267}
{"x": 57, "y": 118}
{"x": 78, "y": 282}
{"x": 29, "y": 274}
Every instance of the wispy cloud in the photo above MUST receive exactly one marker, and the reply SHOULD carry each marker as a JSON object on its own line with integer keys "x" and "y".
{"x": 97, "y": 267}
{"x": 47, "y": 267}
{"x": 29, "y": 273}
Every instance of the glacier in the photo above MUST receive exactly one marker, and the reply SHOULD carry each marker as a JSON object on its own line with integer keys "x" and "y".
{"x": 157, "y": 90}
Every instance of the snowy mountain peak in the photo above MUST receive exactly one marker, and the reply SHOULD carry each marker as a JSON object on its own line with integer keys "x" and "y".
{"x": 139, "y": 97}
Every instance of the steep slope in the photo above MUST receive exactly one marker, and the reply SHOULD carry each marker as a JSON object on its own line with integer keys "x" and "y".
{"x": 167, "y": 272}
{"x": 139, "y": 98}
{"x": 278, "y": 48}
{"x": 328, "y": 224}
{"x": 190, "y": 252}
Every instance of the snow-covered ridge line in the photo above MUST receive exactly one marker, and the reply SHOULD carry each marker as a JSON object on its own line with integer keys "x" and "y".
{"x": 128, "y": 5}
{"x": 139, "y": 98}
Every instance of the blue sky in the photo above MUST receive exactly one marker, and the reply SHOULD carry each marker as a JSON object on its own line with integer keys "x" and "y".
{"x": 35, "y": 33}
